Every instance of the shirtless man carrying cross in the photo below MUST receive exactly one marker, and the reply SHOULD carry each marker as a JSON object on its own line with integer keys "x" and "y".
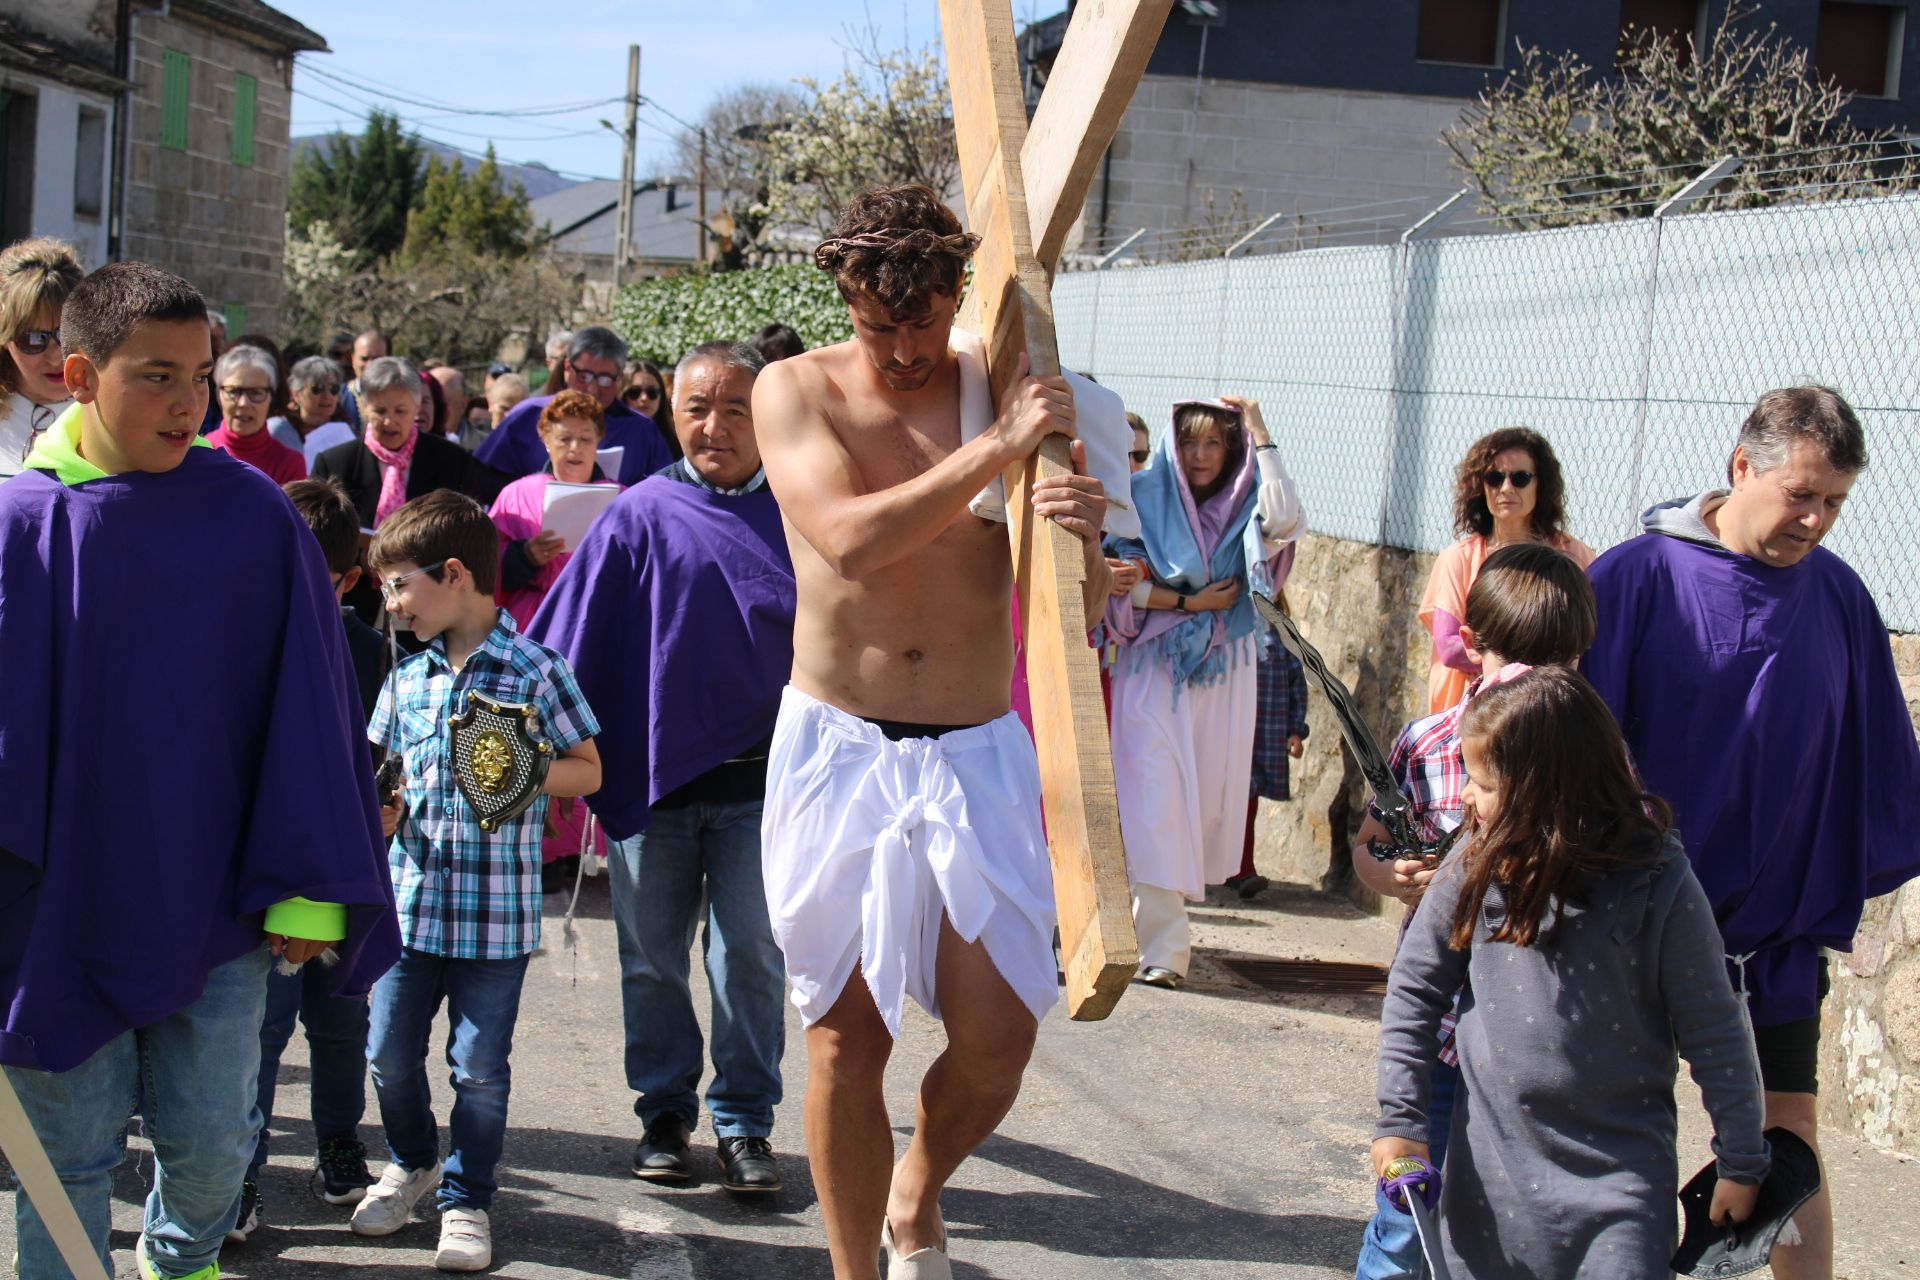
{"x": 902, "y": 840}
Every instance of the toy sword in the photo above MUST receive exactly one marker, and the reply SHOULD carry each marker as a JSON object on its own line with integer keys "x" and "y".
{"x": 43, "y": 1187}
{"x": 1390, "y": 804}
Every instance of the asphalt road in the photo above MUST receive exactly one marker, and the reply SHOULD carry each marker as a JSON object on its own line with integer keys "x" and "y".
{"x": 1212, "y": 1133}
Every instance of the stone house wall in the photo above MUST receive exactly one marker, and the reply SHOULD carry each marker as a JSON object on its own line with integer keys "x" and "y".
{"x": 1351, "y": 600}
{"x": 198, "y": 212}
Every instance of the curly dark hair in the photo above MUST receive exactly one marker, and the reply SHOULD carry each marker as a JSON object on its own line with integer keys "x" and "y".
{"x": 1470, "y": 514}
{"x": 898, "y": 246}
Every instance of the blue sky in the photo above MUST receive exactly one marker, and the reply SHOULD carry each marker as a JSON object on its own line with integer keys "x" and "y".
{"x": 501, "y": 55}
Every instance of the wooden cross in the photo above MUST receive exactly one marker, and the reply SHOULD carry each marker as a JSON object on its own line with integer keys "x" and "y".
{"x": 1023, "y": 226}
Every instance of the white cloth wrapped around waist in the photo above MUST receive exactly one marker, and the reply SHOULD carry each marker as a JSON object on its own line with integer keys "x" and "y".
{"x": 867, "y": 842}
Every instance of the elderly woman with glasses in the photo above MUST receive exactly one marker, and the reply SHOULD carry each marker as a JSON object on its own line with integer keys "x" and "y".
{"x": 244, "y": 380}
{"x": 314, "y": 423}
{"x": 1507, "y": 490}
{"x": 35, "y": 278}
{"x": 393, "y": 460}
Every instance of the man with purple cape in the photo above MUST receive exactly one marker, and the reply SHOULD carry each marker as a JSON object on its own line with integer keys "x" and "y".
{"x": 185, "y": 793}
{"x": 596, "y": 365}
{"x": 677, "y": 614}
{"x": 1752, "y": 675}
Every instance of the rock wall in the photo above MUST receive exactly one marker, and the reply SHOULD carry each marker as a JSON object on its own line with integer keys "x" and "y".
{"x": 1354, "y": 601}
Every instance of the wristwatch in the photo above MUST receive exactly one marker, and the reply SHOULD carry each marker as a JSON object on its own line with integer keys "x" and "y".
{"x": 1179, "y": 604}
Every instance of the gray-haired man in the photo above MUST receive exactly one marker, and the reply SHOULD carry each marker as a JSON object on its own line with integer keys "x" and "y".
{"x": 596, "y": 359}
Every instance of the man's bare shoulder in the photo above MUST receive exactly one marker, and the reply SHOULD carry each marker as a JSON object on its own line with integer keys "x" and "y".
{"x": 822, "y": 369}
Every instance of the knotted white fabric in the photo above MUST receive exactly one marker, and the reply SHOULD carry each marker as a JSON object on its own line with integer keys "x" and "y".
{"x": 867, "y": 843}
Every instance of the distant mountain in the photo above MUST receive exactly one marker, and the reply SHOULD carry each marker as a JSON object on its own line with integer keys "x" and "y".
{"x": 536, "y": 178}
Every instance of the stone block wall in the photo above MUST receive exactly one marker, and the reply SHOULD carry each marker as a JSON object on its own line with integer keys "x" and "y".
{"x": 1354, "y": 601}
{"x": 1282, "y": 148}
{"x": 220, "y": 224}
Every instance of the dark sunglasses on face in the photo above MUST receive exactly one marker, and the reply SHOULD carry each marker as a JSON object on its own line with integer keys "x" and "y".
{"x": 1139, "y": 455}
{"x": 1521, "y": 479}
{"x": 640, "y": 393}
{"x": 33, "y": 341}
{"x": 324, "y": 389}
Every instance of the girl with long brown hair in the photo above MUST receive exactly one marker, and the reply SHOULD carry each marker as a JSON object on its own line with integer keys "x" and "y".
{"x": 1586, "y": 960}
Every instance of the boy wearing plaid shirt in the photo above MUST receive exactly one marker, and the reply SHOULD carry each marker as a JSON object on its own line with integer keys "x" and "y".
{"x": 469, "y": 900}
{"x": 1531, "y": 606}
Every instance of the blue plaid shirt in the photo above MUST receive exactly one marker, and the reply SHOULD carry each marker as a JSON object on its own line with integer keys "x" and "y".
{"x": 462, "y": 892}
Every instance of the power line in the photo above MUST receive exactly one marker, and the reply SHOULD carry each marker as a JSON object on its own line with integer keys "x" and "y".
{"x": 346, "y": 81}
{"x": 359, "y": 114}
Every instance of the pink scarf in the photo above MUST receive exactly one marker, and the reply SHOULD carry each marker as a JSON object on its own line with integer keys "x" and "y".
{"x": 393, "y": 473}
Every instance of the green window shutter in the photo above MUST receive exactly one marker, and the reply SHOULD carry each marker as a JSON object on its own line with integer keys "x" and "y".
{"x": 246, "y": 92}
{"x": 236, "y": 313}
{"x": 175, "y": 73}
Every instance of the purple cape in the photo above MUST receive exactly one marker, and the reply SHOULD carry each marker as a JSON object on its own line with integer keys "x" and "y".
{"x": 1763, "y": 704}
{"x": 514, "y": 446}
{"x": 677, "y": 615}
{"x": 181, "y": 747}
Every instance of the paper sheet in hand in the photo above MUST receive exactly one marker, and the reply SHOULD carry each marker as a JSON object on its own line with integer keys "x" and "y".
{"x": 570, "y": 508}
{"x": 610, "y": 460}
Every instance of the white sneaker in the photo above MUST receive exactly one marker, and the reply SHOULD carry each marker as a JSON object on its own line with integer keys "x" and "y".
{"x": 389, "y": 1202}
{"x": 466, "y": 1241}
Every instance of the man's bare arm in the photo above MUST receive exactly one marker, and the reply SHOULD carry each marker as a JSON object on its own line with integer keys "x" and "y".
{"x": 857, "y": 532}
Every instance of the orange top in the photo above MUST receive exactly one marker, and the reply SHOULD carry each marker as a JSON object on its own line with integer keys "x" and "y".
{"x": 1453, "y": 574}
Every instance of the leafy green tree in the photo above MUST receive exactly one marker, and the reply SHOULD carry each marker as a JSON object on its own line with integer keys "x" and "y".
{"x": 361, "y": 188}
{"x": 469, "y": 212}
{"x": 1554, "y": 144}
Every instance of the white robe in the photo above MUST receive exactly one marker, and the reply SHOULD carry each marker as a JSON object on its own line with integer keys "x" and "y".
{"x": 867, "y": 842}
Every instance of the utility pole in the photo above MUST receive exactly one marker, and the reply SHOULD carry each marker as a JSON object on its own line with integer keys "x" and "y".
{"x": 623, "y": 243}
{"x": 702, "y": 182}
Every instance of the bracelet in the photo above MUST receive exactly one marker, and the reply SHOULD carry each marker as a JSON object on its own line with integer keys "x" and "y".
{"x": 1261, "y": 447}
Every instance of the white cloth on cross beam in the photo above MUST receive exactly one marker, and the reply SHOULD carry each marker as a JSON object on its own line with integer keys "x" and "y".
{"x": 1099, "y": 416}
{"x": 867, "y": 842}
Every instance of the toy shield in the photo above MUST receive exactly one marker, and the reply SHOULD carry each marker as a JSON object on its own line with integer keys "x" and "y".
{"x": 499, "y": 759}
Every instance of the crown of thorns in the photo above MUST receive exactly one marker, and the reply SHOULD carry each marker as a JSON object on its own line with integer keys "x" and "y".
{"x": 894, "y": 244}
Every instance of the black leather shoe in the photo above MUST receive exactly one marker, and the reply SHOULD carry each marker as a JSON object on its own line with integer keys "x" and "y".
{"x": 747, "y": 1164}
{"x": 662, "y": 1155}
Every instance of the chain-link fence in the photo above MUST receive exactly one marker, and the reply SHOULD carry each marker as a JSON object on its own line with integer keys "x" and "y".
{"x": 1636, "y": 346}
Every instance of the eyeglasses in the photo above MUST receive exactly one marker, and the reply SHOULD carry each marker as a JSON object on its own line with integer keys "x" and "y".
{"x": 588, "y": 378}
{"x": 1497, "y": 479}
{"x": 324, "y": 389}
{"x": 33, "y": 341}
{"x": 246, "y": 395}
{"x": 390, "y": 589}
{"x": 1140, "y": 455}
{"x": 640, "y": 393}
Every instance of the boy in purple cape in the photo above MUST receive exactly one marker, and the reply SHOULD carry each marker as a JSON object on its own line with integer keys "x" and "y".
{"x": 677, "y": 614}
{"x": 1755, "y": 683}
{"x": 169, "y": 822}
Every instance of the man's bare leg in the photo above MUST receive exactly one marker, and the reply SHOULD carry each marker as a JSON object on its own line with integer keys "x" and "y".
{"x": 849, "y": 1140}
{"x": 1812, "y": 1258}
{"x": 966, "y": 1092}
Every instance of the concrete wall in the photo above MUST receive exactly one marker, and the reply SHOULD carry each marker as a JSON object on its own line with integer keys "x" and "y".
{"x": 1351, "y": 599}
{"x": 1280, "y": 148}
{"x": 56, "y": 127}
{"x": 220, "y": 224}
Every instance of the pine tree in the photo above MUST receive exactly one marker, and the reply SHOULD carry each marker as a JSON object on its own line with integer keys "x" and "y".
{"x": 361, "y": 189}
{"x": 473, "y": 212}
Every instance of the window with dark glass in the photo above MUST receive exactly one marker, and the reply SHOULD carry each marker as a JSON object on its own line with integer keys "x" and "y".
{"x": 90, "y": 162}
{"x": 1467, "y": 31}
{"x": 1858, "y": 45}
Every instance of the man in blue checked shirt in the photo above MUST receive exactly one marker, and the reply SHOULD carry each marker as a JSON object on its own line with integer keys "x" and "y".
{"x": 469, "y": 900}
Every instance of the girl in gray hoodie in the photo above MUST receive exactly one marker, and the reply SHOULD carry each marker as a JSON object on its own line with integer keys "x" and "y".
{"x": 1587, "y": 961}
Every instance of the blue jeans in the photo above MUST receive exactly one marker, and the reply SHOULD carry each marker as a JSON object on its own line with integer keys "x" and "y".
{"x": 483, "y": 1003}
{"x": 657, "y": 880}
{"x": 336, "y": 1054}
{"x": 1391, "y": 1247}
{"x": 190, "y": 1076}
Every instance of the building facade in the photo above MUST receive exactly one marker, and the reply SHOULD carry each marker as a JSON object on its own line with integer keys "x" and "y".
{"x": 157, "y": 131}
{"x": 1333, "y": 112}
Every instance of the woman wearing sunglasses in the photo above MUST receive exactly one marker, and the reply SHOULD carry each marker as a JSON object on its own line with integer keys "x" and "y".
{"x": 35, "y": 278}
{"x": 647, "y": 392}
{"x": 1508, "y": 490}
{"x": 314, "y": 422}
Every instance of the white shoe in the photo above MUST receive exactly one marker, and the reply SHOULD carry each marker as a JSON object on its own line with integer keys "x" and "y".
{"x": 466, "y": 1241}
{"x": 389, "y": 1202}
{"x": 929, "y": 1263}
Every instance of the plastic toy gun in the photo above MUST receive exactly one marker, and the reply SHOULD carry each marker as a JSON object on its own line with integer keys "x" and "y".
{"x": 1393, "y": 808}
